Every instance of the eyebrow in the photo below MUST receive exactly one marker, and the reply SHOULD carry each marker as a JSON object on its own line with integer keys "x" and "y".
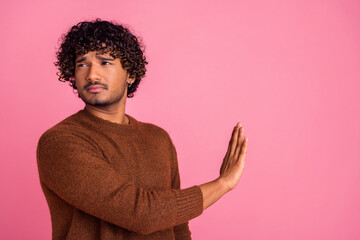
{"x": 98, "y": 57}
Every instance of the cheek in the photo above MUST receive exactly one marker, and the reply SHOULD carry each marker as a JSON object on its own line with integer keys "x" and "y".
{"x": 119, "y": 80}
{"x": 78, "y": 79}
{"x": 79, "y": 73}
{"x": 77, "y": 82}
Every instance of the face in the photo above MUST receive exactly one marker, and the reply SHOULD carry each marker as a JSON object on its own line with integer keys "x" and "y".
{"x": 100, "y": 79}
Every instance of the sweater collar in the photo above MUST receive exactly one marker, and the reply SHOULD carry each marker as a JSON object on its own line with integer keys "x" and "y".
{"x": 108, "y": 125}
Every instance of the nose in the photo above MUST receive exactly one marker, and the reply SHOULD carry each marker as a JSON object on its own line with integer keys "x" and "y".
{"x": 93, "y": 73}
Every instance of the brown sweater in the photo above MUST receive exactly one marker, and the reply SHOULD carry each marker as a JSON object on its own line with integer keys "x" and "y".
{"x": 104, "y": 180}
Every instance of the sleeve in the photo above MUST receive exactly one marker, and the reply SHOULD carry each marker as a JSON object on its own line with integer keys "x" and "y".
{"x": 77, "y": 172}
{"x": 182, "y": 231}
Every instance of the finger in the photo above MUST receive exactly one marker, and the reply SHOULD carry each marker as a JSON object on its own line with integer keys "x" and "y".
{"x": 239, "y": 143}
{"x": 226, "y": 158}
{"x": 241, "y": 163}
{"x": 228, "y": 152}
{"x": 243, "y": 150}
{"x": 228, "y": 163}
{"x": 234, "y": 139}
{"x": 224, "y": 166}
{"x": 232, "y": 136}
{"x": 225, "y": 163}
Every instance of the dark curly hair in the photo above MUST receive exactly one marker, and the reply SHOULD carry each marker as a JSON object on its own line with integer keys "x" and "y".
{"x": 102, "y": 36}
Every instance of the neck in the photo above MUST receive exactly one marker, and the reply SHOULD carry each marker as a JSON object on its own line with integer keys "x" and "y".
{"x": 115, "y": 114}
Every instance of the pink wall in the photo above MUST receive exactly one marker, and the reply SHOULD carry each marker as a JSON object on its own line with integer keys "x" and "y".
{"x": 288, "y": 70}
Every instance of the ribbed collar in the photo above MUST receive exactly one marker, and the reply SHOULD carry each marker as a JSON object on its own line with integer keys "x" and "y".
{"x": 106, "y": 125}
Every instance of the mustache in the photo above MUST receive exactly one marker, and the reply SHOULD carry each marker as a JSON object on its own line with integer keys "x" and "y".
{"x": 95, "y": 83}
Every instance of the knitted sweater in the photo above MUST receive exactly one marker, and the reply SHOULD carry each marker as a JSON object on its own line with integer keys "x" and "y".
{"x": 104, "y": 180}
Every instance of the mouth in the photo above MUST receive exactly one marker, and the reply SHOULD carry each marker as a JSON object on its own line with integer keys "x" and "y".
{"x": 95, "y": 88}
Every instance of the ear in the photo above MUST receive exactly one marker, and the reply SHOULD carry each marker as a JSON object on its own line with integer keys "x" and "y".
{"x": 130, "y": 80}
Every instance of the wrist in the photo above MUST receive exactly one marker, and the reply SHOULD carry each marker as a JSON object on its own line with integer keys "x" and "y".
{"x": 224, "y": 184}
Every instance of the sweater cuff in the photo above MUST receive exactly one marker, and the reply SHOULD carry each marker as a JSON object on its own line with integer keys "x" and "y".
{"x": 189, "y": 204}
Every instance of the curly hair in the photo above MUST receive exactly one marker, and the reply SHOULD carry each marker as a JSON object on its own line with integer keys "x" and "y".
{"x": 104, "y": 37}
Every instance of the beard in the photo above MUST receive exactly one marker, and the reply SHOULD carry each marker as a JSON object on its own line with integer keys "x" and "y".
{"x": 102, "y": 99}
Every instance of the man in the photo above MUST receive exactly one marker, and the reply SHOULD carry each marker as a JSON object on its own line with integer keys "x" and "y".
{"x": 106, "y": 175}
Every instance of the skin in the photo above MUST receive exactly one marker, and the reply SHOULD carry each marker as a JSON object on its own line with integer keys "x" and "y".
{"x": 102, "y": 84}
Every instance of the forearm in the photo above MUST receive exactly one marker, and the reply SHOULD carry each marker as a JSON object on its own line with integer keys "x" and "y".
{"x": 213, "y": 191}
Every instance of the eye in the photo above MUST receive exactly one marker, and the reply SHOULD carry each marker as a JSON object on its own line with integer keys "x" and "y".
{"x": 105, "y": 63}
{"x": 81, "y": 65}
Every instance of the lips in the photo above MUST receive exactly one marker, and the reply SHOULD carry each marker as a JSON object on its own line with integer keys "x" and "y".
{"x": 95, "y": 88}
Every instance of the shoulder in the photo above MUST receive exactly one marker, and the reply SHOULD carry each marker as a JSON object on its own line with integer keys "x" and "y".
{"x": 70, "y": 127}
{"x": 153, "y": 130}
{"x": 159, "y": 136}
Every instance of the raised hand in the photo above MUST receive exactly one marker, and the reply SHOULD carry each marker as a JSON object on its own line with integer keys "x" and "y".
{"x": 234, "y": 160}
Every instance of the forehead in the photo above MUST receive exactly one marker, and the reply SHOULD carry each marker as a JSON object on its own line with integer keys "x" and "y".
{"x": 94, "y": 54}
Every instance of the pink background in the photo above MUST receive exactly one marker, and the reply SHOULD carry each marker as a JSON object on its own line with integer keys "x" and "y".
{"x": 288, "y": 70}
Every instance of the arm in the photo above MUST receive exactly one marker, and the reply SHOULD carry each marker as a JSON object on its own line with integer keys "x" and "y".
{"x": 231, "y": 169}
{"x": 77, "y": 172}
{"x": 230, "y": 172}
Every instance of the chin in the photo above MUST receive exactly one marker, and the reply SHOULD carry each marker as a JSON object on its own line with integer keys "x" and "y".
{"x": 97, "y": 102}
